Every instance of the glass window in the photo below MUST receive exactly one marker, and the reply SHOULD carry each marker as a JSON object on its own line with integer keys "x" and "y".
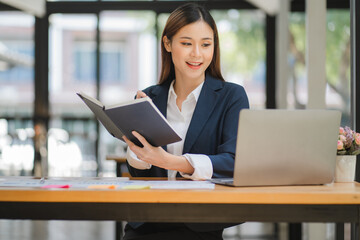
{"x": 16, "y": 146}
{"x": 242, "y": 46}
{"x": 162, "y": 18}
{"x": 21, "y": 72}
{"x": 113, "y": 62}
{"x": 72, "y": 62}
{"x": 16, "y": 93}
{"x": 72, "y": 130}
{"x": 128, "y": 54}
{"x": 297, "y": 88}
{"x": 127, "y": 63}
{"x": 112, "y": 54}
{"x": 71, "y": 147}
{"x": 16, "y": 64}
{"x": 337, "y": 62}
{"x": 84, "y": 61}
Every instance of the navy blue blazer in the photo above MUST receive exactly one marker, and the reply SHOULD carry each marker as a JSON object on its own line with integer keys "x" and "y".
{"x": 213, "y": 127}
{"x": 212, "y": 131}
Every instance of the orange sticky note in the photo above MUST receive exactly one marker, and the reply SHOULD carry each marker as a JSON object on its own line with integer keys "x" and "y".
{"x": 135, "y": 187}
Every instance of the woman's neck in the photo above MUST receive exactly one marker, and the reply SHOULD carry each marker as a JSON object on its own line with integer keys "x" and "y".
{"x": 183, "y": 87}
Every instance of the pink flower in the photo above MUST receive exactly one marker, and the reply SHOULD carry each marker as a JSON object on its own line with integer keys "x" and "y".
{"x": 357, "y": 138}
{"x": 342, "y": 138}
{"x": 348, "y": 142}
{"x": 349, "y": 134}
{"x": 341, "y": 131}
{"x": 340, "y": 145}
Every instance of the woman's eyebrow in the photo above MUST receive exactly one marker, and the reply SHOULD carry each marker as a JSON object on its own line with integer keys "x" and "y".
{"x": 205, "y": 38}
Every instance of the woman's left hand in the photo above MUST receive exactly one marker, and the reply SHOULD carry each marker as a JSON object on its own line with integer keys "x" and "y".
{"x": 156, "y": 156}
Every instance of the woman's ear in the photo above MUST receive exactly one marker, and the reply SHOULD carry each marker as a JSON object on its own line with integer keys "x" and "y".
{"x": 167, "y": 44}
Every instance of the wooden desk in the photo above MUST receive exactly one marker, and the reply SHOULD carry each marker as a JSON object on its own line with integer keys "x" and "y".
{"x": 338, "y": 202}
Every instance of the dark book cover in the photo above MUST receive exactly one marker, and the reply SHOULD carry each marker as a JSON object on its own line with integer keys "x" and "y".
{"x": 139, "y": 115}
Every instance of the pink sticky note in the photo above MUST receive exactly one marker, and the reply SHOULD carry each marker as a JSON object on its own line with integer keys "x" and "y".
{"x": 56, "y": 186}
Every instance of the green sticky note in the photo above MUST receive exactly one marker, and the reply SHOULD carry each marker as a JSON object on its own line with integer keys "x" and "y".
{"x": 136, "y": 187}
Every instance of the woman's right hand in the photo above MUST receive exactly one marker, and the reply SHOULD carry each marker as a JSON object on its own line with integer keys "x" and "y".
{"x": 140, "y": 94}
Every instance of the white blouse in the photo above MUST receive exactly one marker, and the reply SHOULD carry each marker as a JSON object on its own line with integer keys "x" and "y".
{"x": 180, "y": 121}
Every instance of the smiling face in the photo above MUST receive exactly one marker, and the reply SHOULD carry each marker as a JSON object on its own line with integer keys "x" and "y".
{"x": 192, "y": 50}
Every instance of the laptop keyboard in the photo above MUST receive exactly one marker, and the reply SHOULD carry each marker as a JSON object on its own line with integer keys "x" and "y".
{"x": 227, "y": 181}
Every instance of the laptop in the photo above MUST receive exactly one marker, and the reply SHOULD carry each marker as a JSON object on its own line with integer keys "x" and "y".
{"x": 285, "y": 147}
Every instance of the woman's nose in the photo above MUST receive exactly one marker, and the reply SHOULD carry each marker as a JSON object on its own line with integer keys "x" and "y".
{"x": 195, "y": 51}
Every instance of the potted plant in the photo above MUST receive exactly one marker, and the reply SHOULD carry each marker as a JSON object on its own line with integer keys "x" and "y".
{"x": 348, "y": 146}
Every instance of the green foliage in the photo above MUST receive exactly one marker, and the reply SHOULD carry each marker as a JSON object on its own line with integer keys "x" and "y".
{"x": 297, "y": 28}
{"x": 298, "y": 31}
{"x": 242, "y": 40}
{"x": 337, "y": 36}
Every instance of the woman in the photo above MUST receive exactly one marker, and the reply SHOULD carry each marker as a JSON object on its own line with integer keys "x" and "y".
{"x": 200, "y": 106}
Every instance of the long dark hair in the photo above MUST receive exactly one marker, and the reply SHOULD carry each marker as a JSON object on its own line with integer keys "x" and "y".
{"x": 180, "y": 17}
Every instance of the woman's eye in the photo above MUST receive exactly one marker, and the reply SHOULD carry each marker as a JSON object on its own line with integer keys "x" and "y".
{"x": 186, "y": 43}
{"x": 206, "y": 44}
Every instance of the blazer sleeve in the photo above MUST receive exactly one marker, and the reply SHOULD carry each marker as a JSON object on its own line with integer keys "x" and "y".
{"x": 224, "y": 159}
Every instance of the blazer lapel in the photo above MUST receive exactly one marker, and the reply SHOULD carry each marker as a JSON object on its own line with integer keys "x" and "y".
{"x": 204, "y": 107}
{"x": 160, "y": 97}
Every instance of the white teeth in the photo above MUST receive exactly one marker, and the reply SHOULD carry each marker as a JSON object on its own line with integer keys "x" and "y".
{"x": 194, "y": 64}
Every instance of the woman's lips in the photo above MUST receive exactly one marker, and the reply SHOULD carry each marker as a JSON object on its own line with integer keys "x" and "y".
{"x": 194, "y": 65}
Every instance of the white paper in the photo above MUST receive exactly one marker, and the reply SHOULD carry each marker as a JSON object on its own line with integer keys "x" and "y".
{"x": 84, "y": 183}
